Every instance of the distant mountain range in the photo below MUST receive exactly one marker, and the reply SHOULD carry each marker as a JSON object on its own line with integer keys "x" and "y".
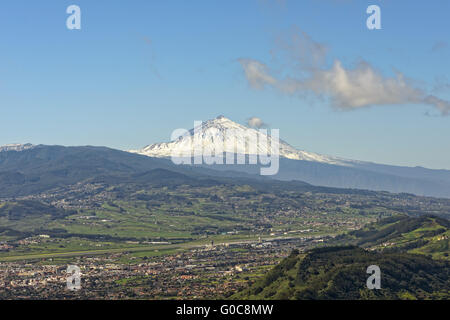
{"x": 41, "y": 168}
{"x": 300, "y": 165}
{"x": 22, "y": 166}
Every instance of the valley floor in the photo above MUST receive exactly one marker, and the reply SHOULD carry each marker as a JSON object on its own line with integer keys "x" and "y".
{"x": 170, "y": 272}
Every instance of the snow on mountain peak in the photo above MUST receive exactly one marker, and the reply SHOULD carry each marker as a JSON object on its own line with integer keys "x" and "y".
{"x": 16, "y": 147}
{"x": 224, "y": 134}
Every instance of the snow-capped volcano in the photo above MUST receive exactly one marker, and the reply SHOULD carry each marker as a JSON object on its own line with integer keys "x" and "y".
{"x": 224, "y": 134}
{"x": 16, "y": 147}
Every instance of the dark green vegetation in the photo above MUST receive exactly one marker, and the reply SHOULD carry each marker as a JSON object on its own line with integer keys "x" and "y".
{"x": 19, "y": 219}
{"x": 15, "y": 211}
{"x": 340, "y": 273}
{"x": 402, "y": 246}
{"x": 426, "y": 235}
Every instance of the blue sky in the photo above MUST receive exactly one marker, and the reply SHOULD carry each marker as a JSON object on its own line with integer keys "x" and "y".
{"x": 139, "y": 69}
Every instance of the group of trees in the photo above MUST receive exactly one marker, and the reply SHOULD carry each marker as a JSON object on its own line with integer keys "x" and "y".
{"x": 340, "y": 273}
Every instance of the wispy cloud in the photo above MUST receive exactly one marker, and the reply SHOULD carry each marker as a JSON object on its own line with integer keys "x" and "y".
{"x": 441, "y": 84}
{"x": 348, "y": 88}
{"x": 299, "y": 50}
{"x": 152, "y": 59}
{"x": 438, "y": 46}
{"x": 257, "y": 73}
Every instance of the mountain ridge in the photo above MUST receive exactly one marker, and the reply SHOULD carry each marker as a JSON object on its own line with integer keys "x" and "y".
{"x": 300, "y": 165}
{"x": 295, "y": 165}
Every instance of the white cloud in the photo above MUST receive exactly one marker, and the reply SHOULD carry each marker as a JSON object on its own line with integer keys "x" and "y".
{"x": 346, "y": 88}
{"x": 256, "y": 122}
{"x": 358, "y": 87}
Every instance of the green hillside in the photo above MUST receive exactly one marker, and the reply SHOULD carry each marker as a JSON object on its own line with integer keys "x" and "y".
{"x": 401, "y": 246}
{"x": 340, "y": 273}
{"x": 423, "y": 235}
{"x": 17, "y": 217}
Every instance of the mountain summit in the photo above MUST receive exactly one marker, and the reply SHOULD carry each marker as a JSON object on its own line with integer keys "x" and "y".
{"x": 224, "y": 134}
{"x": 296, "y": 164}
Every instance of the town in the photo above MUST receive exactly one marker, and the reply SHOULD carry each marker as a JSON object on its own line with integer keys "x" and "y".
{"x": 210, "y": 271}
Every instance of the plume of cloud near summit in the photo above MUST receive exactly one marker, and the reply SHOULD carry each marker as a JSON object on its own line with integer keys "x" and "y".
{"x": 256, "y": 122}
{"x": 347, "y": 88}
